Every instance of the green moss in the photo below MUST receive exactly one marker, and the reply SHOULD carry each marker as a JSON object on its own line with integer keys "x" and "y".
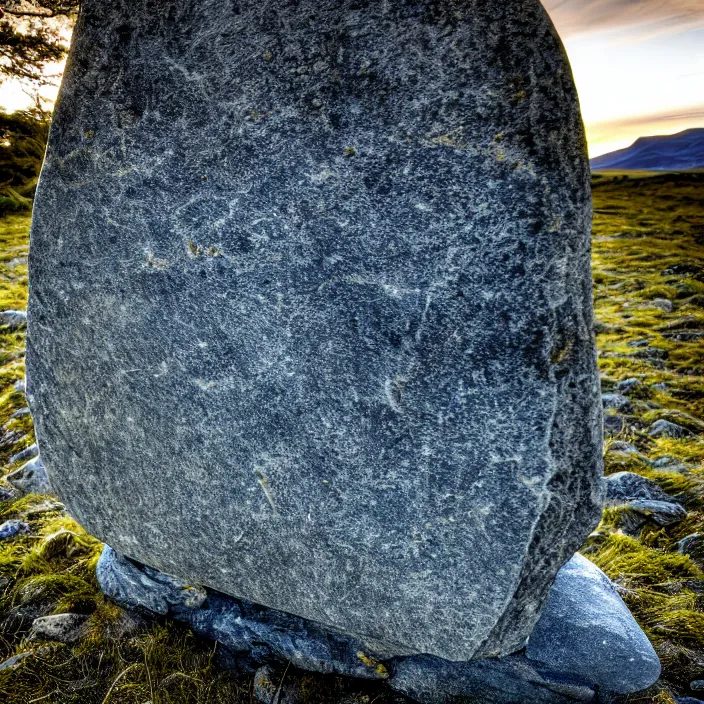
{"x": 637, "y": 259}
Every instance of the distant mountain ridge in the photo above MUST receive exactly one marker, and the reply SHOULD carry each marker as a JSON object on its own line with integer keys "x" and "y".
{"x": 676, "y": 152}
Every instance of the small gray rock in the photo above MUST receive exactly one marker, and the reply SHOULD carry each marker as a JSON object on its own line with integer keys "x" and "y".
{"x": 665, "y": 461}
{"x": 671, "y": 464}
{"x": 31, "y": 478}
{"x": 631, "y": 386}
{"x": 24, "y": 455}
{"x": 613, "y": 424}
{"x": 664, "y": 513}
{"x": 587, "y": 630}
{"x": 13, "y": 662}
{"x": 13, "y": 527}
{"x": 623, "y": 487}
{"x": 135, "y": 585}
{"x": 63, "y": 628}
{"x": 692, "y": 546}
{"x": 697, "y": 685}
{"x": 7, "y": 494}
{"x": 665, "y": 429}
{"x": 271, "y": 686}
{"x": 266, "y": 684}
{"x": 43, "y": 507}
{"x": 663, "y": 304}
{"x": 13, "y": 319}
{"x": 625, "y": 448}
{"x": 616, "y": 402}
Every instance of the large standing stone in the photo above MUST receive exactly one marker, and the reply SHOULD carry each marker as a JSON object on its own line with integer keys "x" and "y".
{"x": 310, "y": 313}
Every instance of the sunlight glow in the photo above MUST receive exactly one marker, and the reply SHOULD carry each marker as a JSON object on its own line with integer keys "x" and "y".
{"x": 639, "y": 67}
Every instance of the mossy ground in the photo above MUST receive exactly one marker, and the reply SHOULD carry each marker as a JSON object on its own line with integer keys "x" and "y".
{"x": 648, "y": 244}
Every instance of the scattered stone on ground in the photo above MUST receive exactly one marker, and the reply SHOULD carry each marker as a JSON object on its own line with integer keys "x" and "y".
{"x": 47, "y": 506}
{"x": 632, "y": 387}
{"x": 587, "y": 630}
{"x": 623, "y": 487}
{"x": 662, "y": 303}
{"x": 26, "y": 454}
{"x": 613, "y": 424}
{"x": 7, "y": 494}
{"x": 12, "y": 528}
{"x": 664, "y": 513}
{"x": 616, "y": 402}
{"x": 625, "y": 448}
{"x": 31, "y": 478}
{"x": 63, "y": 628}
{"x": 12, "y": 662}
{"x": 693, "y": 546}
{"x": 13, "y": 319}
{"x": 664, "y": 428}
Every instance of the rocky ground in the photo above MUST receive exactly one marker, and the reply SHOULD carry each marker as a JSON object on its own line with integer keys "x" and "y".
{"x": 60, "y": 641}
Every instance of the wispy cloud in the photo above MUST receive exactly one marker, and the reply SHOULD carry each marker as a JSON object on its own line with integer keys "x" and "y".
{"x": 665, "y": 118}
{"x": 574, "y": 17}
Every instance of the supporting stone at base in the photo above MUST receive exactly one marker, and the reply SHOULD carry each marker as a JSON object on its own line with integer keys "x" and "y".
{"x": 586, "y": 641}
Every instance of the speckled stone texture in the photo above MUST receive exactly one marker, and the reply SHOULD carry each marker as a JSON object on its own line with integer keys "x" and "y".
{"x": 310, "y": 315}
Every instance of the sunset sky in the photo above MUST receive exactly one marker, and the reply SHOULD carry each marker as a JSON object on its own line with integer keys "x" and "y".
{"x": 638, "y": 64}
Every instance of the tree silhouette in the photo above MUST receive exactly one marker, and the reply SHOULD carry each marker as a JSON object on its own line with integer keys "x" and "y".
{"x": 32, "y": 36}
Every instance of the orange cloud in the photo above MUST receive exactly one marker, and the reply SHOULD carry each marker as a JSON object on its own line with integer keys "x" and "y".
{"x": 576, "y": 17}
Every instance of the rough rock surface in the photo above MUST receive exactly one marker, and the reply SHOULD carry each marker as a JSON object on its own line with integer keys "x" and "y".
{"x": 251, "y": 632}
{"x": 310, "y": 317}
{"x": 587, "y": 630}
{"x": 612, "y": 653}
{"x": 142, "y": 586}
{"x": 14, "y": 661}
{"x": 617, "y": 402}
{"x": 510, "y": 680}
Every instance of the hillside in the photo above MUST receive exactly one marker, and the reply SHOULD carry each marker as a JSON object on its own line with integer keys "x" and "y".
{"x": 677, "y": 152}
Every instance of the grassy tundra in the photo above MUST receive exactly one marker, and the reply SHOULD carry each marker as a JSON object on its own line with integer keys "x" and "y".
{"x": 649, "y": 291}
